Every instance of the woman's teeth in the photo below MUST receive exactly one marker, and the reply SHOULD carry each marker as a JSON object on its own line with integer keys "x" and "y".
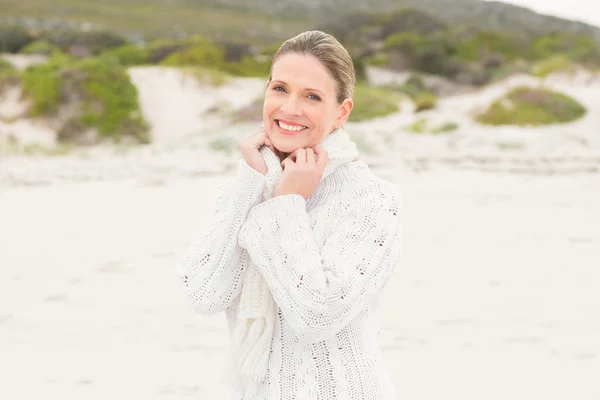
{"x": 290, "y": 127}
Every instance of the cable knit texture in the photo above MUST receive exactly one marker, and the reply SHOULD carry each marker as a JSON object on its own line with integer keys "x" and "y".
{"x": 299, "y": 280}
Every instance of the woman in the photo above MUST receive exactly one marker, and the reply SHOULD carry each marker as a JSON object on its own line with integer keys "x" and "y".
{"x": 305, "y": 238}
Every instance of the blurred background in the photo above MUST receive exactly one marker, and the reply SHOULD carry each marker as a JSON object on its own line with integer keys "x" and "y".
{"x": 118, "y": 120}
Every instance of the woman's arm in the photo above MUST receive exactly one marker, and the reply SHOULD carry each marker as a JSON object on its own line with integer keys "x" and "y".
{"x": 213, "y": 268}
{"x": 319, "y": 290}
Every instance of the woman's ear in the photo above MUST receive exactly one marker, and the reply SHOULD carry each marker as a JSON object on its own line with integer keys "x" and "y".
{"x": 344, "y": 112}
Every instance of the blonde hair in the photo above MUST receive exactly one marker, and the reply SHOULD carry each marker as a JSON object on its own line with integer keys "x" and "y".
{"x": 330, "y": 52}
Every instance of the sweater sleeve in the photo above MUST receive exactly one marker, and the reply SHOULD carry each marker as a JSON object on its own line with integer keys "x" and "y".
{"x": 212, "y": 269}
{"x": 320, "y": 289}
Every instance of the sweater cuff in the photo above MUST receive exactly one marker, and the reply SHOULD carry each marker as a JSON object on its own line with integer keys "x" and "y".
{"x": 249, "y": 181}
{"x": 283, "y": 206}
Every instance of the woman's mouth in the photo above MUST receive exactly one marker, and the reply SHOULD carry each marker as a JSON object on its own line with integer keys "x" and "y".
{"x": 288, "y": 128}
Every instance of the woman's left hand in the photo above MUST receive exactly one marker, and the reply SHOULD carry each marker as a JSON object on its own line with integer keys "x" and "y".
{"x": 302, "y": 172}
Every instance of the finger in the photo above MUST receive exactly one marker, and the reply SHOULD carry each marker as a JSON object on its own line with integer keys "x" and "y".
{"x": 300, "y": 156}
{"x": 322, "y": 156}
{"x": 259, "y": 139}
{"x": 269, "y": 144}
{"x": 310, "y": 157}
{"x": 258, "y": 131}
{"x": 286, "y": 163}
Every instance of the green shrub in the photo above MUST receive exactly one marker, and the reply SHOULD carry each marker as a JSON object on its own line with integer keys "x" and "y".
{"x": 372, "y": 102}
{"x": 6, "y": 70}
{"x": 13, "y": 38}
{"x": 378, "y": 59}
{"x": 248, "y": 66}
{"x": 421, "y": 126}
{"x": 129, "y": 55}
{"x": 476, "y": 46}
{"x": 94, "y": 41}
{"x": 445, "y": 128}
{"x": 41, "y": 47}
{"x": 270, "y": 50}
{"x": 344, "y": 29}
{"x": 405, "y": 42}
{"x": 430, "y": 54}
{"x": 558, "y": 63}
{"x": 413, "y": 86}
{"x": 42, "y": 84}
{"x": 425, "y": 101}
{"x": 234, "y": 51}
{"x": 409, "y": 20}
{"x": 111, "y": 100}
{"x": 162, "y": 48}
{"x": 577, "y": 47}
{"x": 98, "y": 89}
{"x": 415, "y": 89}
{"x": 201, "y": 52}
{"x": 532, "y": 106}
{"x": 359, "y": 68}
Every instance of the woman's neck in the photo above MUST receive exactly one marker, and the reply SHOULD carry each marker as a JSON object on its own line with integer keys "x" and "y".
{"x": 282, "y": 156}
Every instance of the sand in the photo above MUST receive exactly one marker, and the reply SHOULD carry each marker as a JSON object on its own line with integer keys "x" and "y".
{"x": 495, "y": 297}
{"x": 177, "y": 105}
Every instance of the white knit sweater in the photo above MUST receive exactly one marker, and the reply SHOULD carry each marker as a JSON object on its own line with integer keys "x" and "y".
{"x": 325, "y": 261}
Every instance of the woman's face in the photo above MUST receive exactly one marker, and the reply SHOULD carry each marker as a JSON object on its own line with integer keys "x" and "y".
{"x": 301, "y": 106}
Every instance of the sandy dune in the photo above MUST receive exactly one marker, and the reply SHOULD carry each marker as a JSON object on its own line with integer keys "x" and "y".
{"x": 177, "y": 105}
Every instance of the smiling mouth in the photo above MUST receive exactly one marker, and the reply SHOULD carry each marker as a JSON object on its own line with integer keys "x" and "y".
{"x": 291, "y": 128}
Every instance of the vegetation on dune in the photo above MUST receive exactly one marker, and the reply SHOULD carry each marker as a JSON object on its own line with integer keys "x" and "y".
{"x": 421, "y": 126}
{"x": 578, "y": 48}
{"x": 201, "y": 52}
{"x": 415, "y": 89}
{"x": 553, "y": 64}
{"x": 481, "y": 44}
{"x": 371, "y": 102}
{"x": 13, "y": 38}
{"x": 154, "y": 19}
{"x": 532, "y": 106}
{"x": 464, "y": 54}
{"x": 85, "y": 82}
{"x": 89, "y": 93}
{"x": 6, "y": 71}
{"x": 129, "y": 55}
{"x": 83, "y": 42}
{"x": 41, "y": 47}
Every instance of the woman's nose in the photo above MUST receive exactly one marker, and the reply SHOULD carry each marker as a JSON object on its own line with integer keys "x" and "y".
{"x": 291, "y": 106}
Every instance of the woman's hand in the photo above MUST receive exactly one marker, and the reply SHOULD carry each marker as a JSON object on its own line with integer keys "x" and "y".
{"x": 302, "y": 172}
{"x": 249, "y": 147}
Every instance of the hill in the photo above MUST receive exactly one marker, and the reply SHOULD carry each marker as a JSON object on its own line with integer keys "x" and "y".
{"x": 262, "y": 21}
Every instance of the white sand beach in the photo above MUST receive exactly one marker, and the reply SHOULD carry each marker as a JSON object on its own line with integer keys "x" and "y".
{"x": 495, "y": 297}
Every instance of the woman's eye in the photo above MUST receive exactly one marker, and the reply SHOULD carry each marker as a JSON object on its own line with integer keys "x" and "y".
{"x": 276, "y": 88}
{"x": 314, "y": 97}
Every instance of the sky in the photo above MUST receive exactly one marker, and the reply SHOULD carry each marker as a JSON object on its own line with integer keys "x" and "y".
{"x": 582, "y": 10}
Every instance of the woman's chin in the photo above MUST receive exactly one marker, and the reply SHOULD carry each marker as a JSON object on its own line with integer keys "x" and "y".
{"x": 286, "y": 146}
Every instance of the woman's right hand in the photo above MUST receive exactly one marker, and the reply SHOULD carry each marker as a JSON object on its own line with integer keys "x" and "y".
{"x": 249, "y": 147}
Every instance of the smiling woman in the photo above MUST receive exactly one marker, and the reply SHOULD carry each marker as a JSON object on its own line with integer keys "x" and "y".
{"x": 305, "y": 238}
{"x": 309, "y": 92}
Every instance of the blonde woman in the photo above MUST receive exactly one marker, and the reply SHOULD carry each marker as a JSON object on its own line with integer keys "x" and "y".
{"x": 305, "y": 237}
